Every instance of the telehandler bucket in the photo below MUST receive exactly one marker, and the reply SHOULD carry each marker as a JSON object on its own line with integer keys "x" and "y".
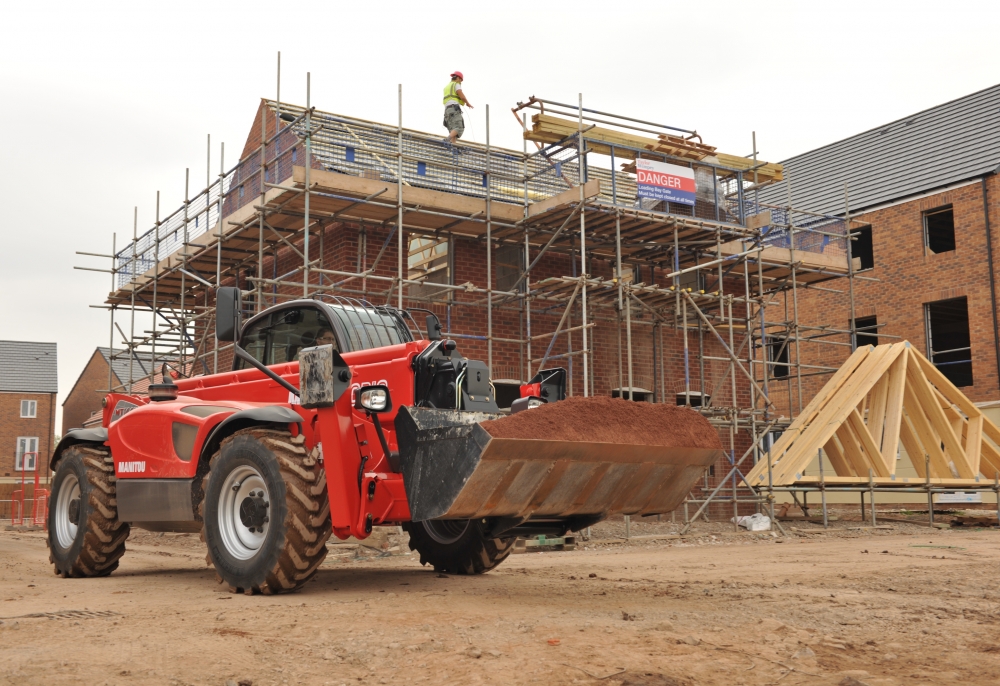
{"x": 453, "y": 468}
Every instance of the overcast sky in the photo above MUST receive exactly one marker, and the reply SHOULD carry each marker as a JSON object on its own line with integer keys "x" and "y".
{"x": 106, "y": 103}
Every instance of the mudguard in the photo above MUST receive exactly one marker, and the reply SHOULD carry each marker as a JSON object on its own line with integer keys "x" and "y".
{"x": 97, "y": 435}
{"x": 276, "y": 414}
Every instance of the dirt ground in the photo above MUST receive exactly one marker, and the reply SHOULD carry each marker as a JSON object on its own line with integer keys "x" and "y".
{"x": 906, "y": 605}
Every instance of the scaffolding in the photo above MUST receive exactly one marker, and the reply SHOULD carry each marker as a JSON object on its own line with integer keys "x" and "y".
{"x": 695, "y": 304}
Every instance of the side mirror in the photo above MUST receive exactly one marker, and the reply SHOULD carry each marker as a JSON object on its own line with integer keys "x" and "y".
{"x": 373, "y": 399}
{"x": 228, "y": 307}
{"x": 433, "y": 328}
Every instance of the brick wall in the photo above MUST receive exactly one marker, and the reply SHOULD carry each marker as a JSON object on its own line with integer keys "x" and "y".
{"x": 910, "y": 276}
{"x": 85, "y": 397}
{"x": 12, "y": 426}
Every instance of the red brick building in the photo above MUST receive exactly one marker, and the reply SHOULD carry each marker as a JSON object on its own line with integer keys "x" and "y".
{"x": 28, "y": 386}
{"x": 923, "y": 192}
{"x": 84, "y": 399}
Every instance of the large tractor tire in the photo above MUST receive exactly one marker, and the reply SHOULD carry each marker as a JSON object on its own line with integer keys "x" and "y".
{"x": 266, "y": 515}
{"x": 85, "y": 536}
{"x": 457, "y": 546}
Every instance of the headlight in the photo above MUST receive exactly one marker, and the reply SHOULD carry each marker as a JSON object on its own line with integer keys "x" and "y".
{"x": 373, "y": 399}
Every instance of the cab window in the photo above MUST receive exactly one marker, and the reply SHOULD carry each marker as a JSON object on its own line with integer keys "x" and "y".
{"x": 281, "y": 336}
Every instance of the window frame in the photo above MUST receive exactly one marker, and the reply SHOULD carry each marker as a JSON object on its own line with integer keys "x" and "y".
{"x": 775, "y": 361}
{"x": 870, "y": 247}
{"x": 925, "y": 215}
{"x": 862, "y": 323}
{"x": 19, "y": 454}
{"x": 932, "y": 353}
{"x": 266, "y": 318}
{"x": 32, "y": 409}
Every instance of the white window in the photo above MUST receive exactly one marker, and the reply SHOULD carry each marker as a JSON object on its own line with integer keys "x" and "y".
{"x": 29, "y": 409}
{"x": 27, "y": 453}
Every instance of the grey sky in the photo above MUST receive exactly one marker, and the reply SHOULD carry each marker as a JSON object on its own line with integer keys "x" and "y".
{"x": 106, "y": 103}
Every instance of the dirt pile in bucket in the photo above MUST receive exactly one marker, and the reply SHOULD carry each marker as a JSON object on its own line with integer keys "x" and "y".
{"x": 609, "y": 420}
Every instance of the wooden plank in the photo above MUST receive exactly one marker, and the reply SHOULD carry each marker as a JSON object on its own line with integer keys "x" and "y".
{"x": 794, "y": 431}
{"x": 894, "y": 407}
{"x": 921, "y": 427}
{"x": 872, "y": 454}
{"x": 908, "y": 436}
{"x": 989, "y": 463}
{"x": 953, "y": 447}
{"x": 570, "y": 196}
{"x": 957, "y": 484}
{"x": 876, "y": 408}
{"x": 974, "y": 443}
{"x": 837, "y": 410}
{"x": 852, "y": 451}
{"x": 947, "y": 388}
{"x": 836, "y": 456}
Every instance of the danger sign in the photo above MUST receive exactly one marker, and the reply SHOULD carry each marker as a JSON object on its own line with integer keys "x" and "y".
{"x": 662, "y": 181}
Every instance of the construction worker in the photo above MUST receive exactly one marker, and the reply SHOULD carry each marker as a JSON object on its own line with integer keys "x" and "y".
{"x": 454, "y": 98}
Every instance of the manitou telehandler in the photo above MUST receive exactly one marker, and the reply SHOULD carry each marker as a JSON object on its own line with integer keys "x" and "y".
{"x": 336, "y": 418}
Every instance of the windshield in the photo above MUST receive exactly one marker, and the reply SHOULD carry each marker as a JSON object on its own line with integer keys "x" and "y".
{"x": 370, "y": 327}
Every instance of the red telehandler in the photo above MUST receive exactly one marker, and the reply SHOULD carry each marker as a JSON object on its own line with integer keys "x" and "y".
{"x": 336, "y": 418}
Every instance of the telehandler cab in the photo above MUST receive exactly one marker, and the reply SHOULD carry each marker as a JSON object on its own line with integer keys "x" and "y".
{"x": 334, "y": 419}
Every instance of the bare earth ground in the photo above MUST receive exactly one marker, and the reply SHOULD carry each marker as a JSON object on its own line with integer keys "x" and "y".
{"x": 910, "y": 605}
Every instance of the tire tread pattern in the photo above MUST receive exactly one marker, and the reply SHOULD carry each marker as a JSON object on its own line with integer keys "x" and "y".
{"x": 307, "y": 523}
{"x": 104, "y": 540}
{"x": 475, "y": 553}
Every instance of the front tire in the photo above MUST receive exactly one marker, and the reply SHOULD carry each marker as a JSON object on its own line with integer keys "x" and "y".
{"x": 459, "y": 546}
{"x": 266, "y": 515}
{"x": 85, "y": 536}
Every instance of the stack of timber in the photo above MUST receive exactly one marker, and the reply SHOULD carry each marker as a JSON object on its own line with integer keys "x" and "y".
{"x": 548, "y": 129}
{"x": 884, "y": 395}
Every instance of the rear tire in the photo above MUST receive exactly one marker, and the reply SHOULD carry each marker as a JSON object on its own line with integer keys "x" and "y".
{"x": 85, "y": 536}
{"x": 266, "y": 515}
{"x": 457, "y": 546}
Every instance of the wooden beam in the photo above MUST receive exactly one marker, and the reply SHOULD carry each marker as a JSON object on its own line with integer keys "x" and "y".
{"x": 758, "y": 474}
{"x": 953, "y": 447}
{"x": 922, "y": 429}
{"x": 836, "y": 456}
{"x": 894, "y": 408}
{"x": 908, "y": 436}
{"x": 868, "y": 445}
{"x": 852, "y": 451}
{"x": 974, "y": 443}
{"x": 947, "y": 388}
{"x": 837, "y": 410}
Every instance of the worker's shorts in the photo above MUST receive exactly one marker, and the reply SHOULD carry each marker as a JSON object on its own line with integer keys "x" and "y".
{"x": 453, "y": 119}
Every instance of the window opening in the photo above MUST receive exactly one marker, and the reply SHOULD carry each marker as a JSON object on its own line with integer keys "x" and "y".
{"x": 509, "y": 261}
{"x": 939, "y": 230}
{"x": 777, "y": 354}
{"x": 863, "y": 248}
{"x": 427, "y": 261}
{"x": 949, "y": 344}
{"x": 27, "y": 454}
{"x": 29, "y": 409}
{"x": 866, "y": 331}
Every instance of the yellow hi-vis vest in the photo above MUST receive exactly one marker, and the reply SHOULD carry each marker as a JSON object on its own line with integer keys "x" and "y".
{"x": 451, "y": 94}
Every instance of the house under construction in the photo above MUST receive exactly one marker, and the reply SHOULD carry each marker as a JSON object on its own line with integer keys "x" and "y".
{"x": 553, "y": 255}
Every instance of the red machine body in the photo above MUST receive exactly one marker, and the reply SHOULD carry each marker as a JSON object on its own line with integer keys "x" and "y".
{"x": 170, "y": 439}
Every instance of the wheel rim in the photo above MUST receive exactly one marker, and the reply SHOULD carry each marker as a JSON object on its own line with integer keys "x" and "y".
{"x": 65, "y": 526}
{"x": 446, "y": 531}
{"x": 243, "y": 506}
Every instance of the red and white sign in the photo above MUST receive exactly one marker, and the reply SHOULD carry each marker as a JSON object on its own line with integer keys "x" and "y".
{"x": 662, "y": 181}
